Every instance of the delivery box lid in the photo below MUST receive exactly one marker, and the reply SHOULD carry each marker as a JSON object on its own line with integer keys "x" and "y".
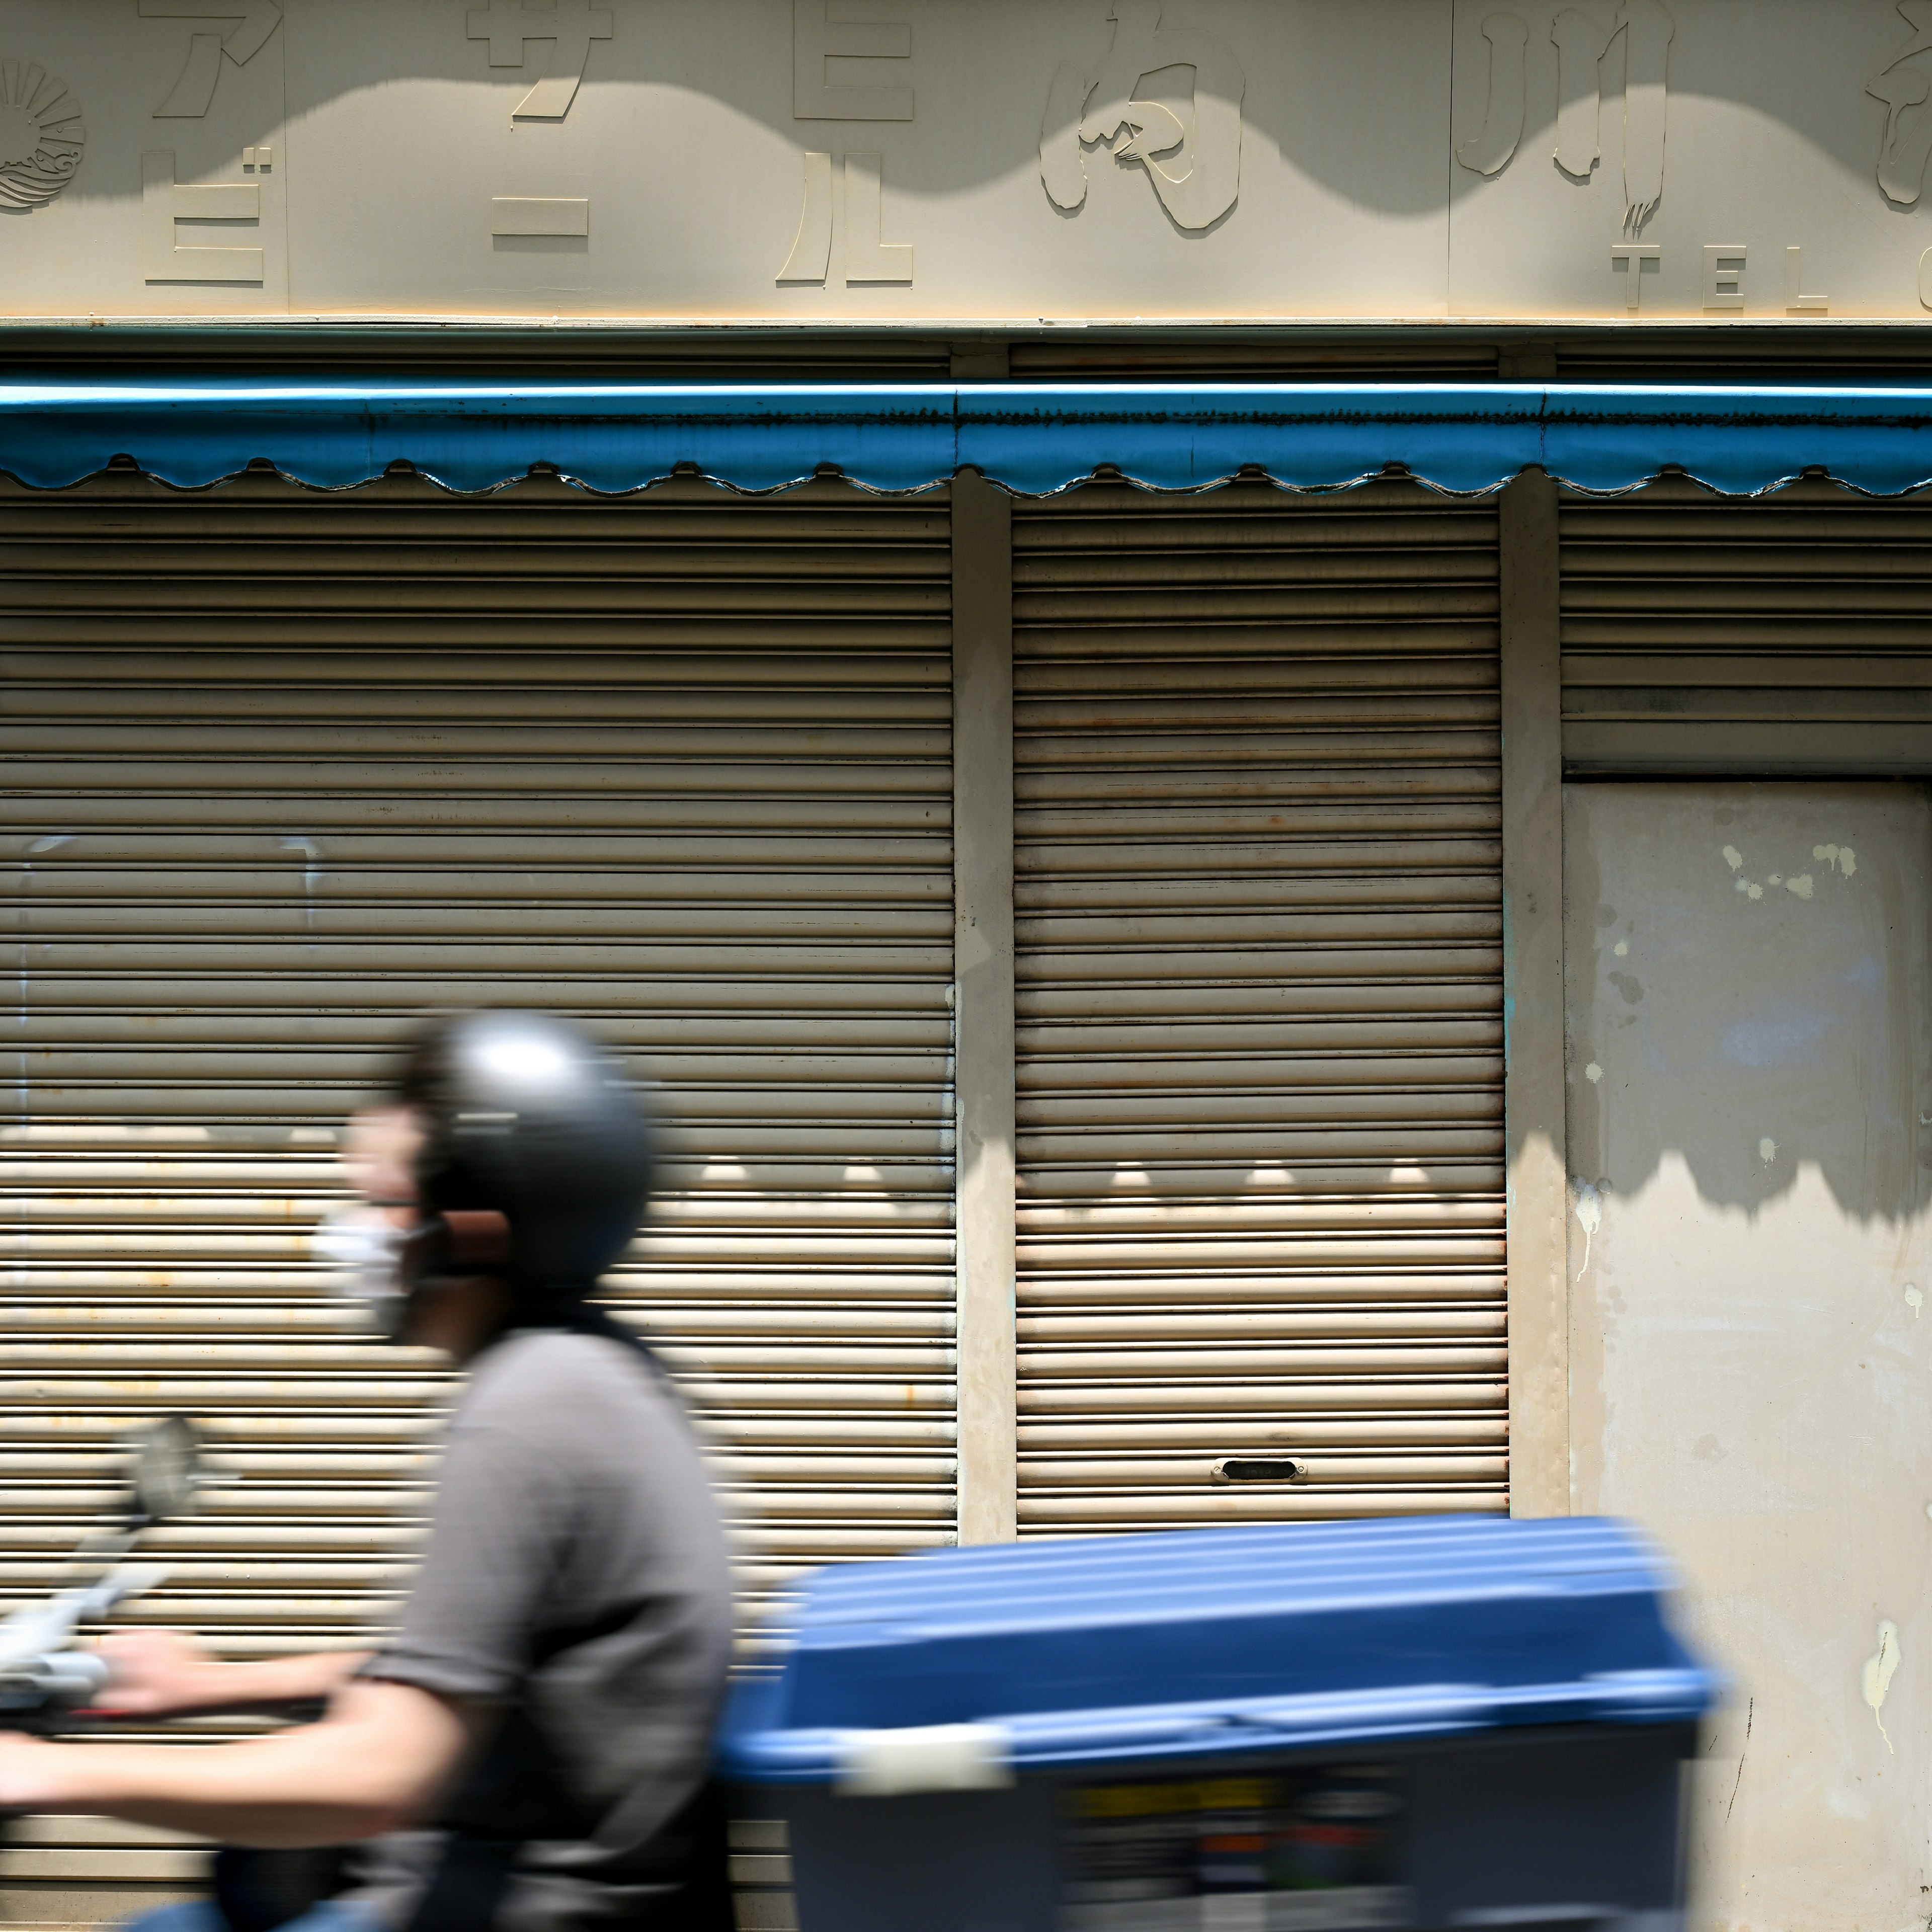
{"x": 961, "y": 1666}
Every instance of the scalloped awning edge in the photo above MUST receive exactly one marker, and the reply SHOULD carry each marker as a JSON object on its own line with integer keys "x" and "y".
{"x": 1032, "y": 439}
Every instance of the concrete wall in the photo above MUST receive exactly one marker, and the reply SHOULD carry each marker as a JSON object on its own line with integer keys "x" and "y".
{"x": 1751, "y": 1354}
{"x": 1011, "y": 159}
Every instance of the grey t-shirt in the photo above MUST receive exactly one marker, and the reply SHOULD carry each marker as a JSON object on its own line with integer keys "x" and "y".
{"x": 575, "y": 1578}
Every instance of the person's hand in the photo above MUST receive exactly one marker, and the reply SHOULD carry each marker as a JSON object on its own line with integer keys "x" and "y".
{"x": 154, "y": 1673}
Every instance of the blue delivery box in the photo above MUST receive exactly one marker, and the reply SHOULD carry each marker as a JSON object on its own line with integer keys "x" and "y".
{"x": 1453, "y": 1722}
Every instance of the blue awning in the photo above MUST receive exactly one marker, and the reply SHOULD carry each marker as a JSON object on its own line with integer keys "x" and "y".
{"x": 1032, "y": 439}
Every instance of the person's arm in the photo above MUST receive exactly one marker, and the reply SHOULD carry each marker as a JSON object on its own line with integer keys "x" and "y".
{"x": 376, "y": 1762}
{"x": 164, "y": 1674}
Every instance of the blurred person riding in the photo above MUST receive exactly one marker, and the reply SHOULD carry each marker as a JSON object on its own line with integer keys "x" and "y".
{"x": 530, "y": 1749}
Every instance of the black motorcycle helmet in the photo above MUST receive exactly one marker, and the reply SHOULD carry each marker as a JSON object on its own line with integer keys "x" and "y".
{"x": 526, "y": 1119}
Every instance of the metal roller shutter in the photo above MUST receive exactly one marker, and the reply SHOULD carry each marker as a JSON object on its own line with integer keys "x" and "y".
{"x": 1259, "y": 1006}
{"x": 490, "y": 352}
{"x": 1859, "y": 357}
{"x": 283, "y": 769}
{"x": 1780, "y": 637}
{"x": 1093, "y": 357}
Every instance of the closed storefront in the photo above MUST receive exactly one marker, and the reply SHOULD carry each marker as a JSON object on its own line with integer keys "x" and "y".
{"x": 289, "y": 766}
{"x": 1229, "y": 698}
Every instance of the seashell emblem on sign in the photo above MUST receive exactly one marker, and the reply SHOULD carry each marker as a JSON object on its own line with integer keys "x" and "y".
{"x": 40, "y": 135}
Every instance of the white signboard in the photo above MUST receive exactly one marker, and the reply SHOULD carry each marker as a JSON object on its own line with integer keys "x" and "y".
{"x": 873, "y": 161}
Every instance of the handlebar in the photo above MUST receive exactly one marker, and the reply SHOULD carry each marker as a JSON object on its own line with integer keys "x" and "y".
{"x": 52, "y": 1684}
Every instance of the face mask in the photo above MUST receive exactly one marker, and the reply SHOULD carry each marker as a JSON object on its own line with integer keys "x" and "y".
{"x": 381, "y": 1270}
{"x": 362, "y": 1249}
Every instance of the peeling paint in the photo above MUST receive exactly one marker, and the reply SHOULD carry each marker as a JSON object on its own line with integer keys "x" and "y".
{"x": 23, "y": 1083}
{"x": 1733, "y": 857}
{"x": 311, "y": 873}
{"x": 1877, "y": 1679}
{"x": 1589, "y": 1218}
